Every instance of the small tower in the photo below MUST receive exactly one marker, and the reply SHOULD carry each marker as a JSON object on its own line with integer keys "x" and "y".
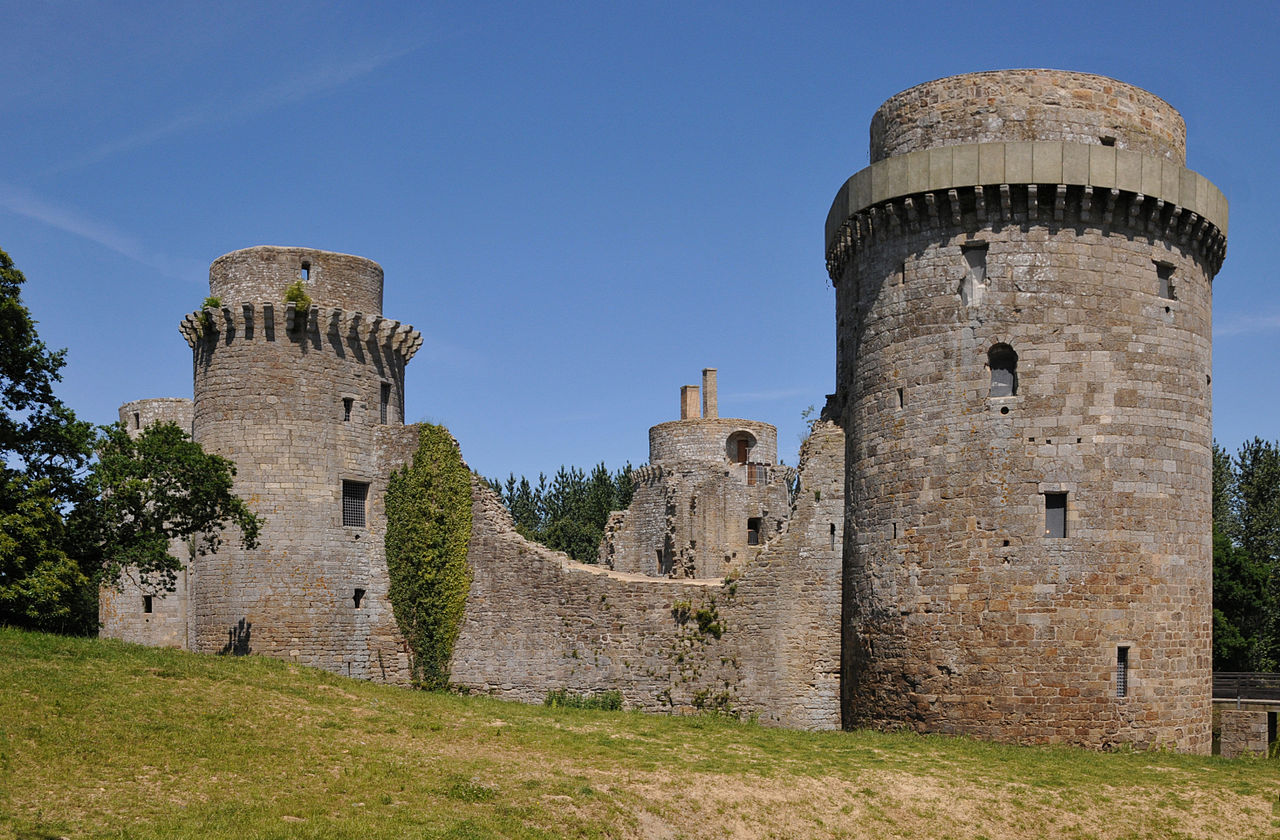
{"x": 1023, "y": 285}
{"x": 308, "y": 403}
{"x": 710, "y": 497}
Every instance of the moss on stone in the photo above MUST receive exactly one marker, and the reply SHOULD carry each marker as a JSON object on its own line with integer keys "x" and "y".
{"x": 428, "y": 533}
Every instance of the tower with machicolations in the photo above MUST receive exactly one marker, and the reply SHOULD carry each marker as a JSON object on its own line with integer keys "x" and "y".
{"x": 1023, "y": 283}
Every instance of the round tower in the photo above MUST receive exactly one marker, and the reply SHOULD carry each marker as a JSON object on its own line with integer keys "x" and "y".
{"x": 304, "y": 398}
{"x": 1023, "y": 283}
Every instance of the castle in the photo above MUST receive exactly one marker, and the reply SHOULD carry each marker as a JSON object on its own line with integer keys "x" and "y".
{"x": 999, "y": 526}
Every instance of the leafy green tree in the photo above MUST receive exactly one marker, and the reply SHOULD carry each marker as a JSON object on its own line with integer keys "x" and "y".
{"x": 44, "y": 450}
{"x": 149, "y": 491}
{"x": 568, "y": 513}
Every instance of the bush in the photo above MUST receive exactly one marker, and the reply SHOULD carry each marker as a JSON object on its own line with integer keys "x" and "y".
{"x": 297, "y": 295}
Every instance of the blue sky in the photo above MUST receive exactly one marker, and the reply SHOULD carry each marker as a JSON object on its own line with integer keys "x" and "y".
{"x": 579, "y": 205}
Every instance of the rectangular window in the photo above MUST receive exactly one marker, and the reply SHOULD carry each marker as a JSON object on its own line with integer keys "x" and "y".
{"x": 833, "y": 535}
{"x": 1055, "y": 514}
{"x": 753, "y": 530}
{"x": 1122, "y": 672}
{"x": 304, "y": 273}
{"x": 385, "y": 401}
{"x": 146, "y": 603}
{"x": 1164, "y": 271}
{"x": 358, "y": 597}
{"x": 354, "y": 494}
{"x": 901, "y": 398}
{"x": 347, "y": 402}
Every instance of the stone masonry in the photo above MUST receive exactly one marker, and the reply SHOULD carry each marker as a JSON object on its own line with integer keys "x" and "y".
{"x": 1023, "y": 283}
{"x": 999, "y": 527}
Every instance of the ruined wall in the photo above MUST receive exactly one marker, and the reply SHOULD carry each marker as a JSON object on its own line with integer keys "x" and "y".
{"x": 963, "y": 614}
{"x": 296, "y": 400}
{"x": 765, "y": 643}
{"x": 134, "y": 613}
{"x": 684, "y": 441}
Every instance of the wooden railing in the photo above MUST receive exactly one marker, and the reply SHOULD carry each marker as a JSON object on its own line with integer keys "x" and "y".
{"x": 1233, "y": 685}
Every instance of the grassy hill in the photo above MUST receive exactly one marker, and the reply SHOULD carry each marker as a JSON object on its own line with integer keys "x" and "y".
{"x": 99, "y": 739}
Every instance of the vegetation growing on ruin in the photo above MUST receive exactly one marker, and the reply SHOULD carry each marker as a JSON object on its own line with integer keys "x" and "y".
{"x": 607, "y": 701}
{"x": 568, "y": 513}
{"x": 296, "y": 294}
{"x": 428, "y": 533}
{"x": 102, "y": 739}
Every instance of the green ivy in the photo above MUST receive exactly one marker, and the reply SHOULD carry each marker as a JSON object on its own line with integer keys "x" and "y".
{"x": 428, "y": 532}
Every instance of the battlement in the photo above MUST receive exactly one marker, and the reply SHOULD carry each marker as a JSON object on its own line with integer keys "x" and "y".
{"x": 249, "y": 322}
{"x": 1032, "y": 104}
{"x": 330, "y": 279}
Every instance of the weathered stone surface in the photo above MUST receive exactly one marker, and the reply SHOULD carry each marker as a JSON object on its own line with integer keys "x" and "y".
{"x": 1244, "y": 732}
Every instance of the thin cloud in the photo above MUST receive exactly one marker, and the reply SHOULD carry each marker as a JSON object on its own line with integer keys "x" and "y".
{"x": 1246, "y": 324}
{"x": 24, "y": 203}
{"x": 297, "y": 89}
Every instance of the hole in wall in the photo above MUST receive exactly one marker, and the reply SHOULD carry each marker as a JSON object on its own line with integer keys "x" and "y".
{"x": 1004, "y": 409}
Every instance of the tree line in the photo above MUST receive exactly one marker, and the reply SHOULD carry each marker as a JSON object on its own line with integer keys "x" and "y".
{"x": 569, "y": 512}
{"x": 1246, "y": 557}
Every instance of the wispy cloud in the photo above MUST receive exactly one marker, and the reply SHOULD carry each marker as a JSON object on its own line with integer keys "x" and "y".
{"x": 296, "y": 89}
{"x": 25, "y": 203}
{"x": 1246, "y": 324}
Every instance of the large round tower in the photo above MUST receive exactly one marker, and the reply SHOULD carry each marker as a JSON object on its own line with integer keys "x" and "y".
{"x": 1023, "y": 283}
{"x": 304, "y": 399}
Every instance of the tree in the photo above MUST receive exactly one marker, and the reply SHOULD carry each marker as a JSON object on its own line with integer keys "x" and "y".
{"x": 148, "y": 491}
{"x": 569, "y": 513}
{"x": 44, "y": 450}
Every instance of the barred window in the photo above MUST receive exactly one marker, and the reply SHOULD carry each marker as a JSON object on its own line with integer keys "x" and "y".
{"x": 354, "y": 494}
{"x": 1122, "y": 672}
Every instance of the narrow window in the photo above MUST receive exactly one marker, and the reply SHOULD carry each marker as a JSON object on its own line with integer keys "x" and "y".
{"x": 900, "y": 398}
{"x": 753, "y": 531}
{"x": 1164, "y": 272}
{"x": 975, "y": 278}
{"x": 346, "y": 409}
{"x": 384, "y": 402}
{"x": 1122, "y": 672}
{"x": 1055, "y": 515}
{"x": 305, "y": 272}
{"x": 1003, "y": 362}
{"x": 354, "y": 494}
{"x": 146, "y": 603}
{"x": 895, "y": 530}
{"x": 358, "y": 597}
{"x": 833, "y": 535}
{"x": 1107, "y": 140}
{"x": 137, "y": 420}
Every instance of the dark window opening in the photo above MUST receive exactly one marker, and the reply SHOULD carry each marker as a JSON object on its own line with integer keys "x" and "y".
{"x": 305, "y": 272}
{"x": 384, "y": 402}
{"x": 895, "y": 530}
{"x": 1107, "y": 140}
{"x": 738, "y": 447}
{"x": 347, "y": 402}
{"x": 137, "y": 420}
{"x": 146, "y": 603}
{"x": 354, "y": 494}
{"x": 358, "y": 597}
{"x": 1003, "y": 362}
{"x": 1164, "y": 272}
{"x": 693, "y": 506}
{"x": 975, "y": 278}
{"x": 901, "y": 398}
{"x": 833, "y": 535}
{"x": 665, "y": 562}
{"x": 1122, "y": 672}
{"x": 753, "y": 531}
{"x": 1055, "y": 515}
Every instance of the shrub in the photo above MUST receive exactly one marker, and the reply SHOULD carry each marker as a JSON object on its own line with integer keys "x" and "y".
{"x": 297, "y": 295}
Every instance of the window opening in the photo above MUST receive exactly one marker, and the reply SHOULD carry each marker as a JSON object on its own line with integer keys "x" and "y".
{"x": 354, "y": 494}
{"x": 146, "y": 603}
{"x": 1003, "y": 362}
{"x": 753, "y": 531}
{"x": 1055, "y": 515}
{"x": 833, "y": 535}
{"x": 895, "y": 530}
{"x": 1164, "y": 272}
{"x": 346, "y": 409}
{"x": 975, "y": 278}
{"x": 901, "y": 398}
{"x": 1122, "y": 672}
{"x": 305, "y": 272}
{"x": 358, "y": 597}
{"x": 137, "y": 420}
{"x": 384, "y": 402}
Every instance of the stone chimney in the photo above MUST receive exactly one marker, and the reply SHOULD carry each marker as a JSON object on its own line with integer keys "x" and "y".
{"x": 709, "y": 408}
{"x": 689, "y": 402}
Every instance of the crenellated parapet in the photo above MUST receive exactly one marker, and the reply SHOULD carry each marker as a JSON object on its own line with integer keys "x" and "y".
{"x": 260, "y": 321}
{"x": 1029, "y": 183}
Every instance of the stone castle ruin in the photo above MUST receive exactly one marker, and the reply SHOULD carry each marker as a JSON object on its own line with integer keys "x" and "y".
{"x": 999, "y": 526}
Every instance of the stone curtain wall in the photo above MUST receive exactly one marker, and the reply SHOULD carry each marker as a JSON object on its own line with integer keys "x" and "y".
{"x": 1245, "y": 732}
{"x": 961, "y": 614}
{"x": 765, "y": 643}
{"x": 121, "y": 613}
{"x": 1009, "y": 105}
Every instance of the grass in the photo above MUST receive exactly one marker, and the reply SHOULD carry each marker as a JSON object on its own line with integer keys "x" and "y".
{"x": 101, "y": 739}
